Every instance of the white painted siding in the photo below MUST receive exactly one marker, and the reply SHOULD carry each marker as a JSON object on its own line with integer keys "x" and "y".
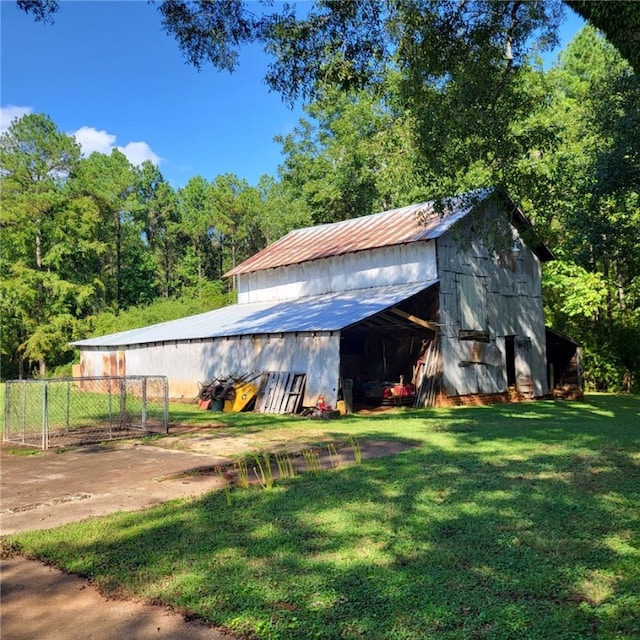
{"x": 399, "y": 264}
{"x": 188, "y": 363}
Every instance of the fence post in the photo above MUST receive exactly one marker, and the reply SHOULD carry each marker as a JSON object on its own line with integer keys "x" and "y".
{"x": 123, "y": 402}
{"x": 5, "y": 428}
{"x": 45, "y": 416}
{"x": 68, "y": 408}
{"x": 24, "y": 411}
{"x": 144, "y": 402}
{"x": 110, "y": 392}
{"x": 165, "y": 384}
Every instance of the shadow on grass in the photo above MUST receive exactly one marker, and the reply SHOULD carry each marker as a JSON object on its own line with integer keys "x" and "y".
{"x": 517, "y": 521}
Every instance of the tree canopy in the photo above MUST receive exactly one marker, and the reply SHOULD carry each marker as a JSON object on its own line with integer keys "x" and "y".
{"x": 349, "y": 39}
{"x": 618, "y": 21}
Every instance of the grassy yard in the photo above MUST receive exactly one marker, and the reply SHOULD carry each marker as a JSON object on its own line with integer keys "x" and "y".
{"x": 511, "y": 521}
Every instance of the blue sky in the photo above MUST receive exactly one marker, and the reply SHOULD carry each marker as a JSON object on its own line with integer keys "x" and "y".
{"x": 107, "y": 73}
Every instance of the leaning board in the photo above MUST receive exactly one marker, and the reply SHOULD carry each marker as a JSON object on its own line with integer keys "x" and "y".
{"x": 280, "y": 392}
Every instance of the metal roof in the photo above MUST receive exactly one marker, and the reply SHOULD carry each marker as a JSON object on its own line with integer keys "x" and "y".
{"x": 398, "y": 226}
{"x": 328, "y": 312}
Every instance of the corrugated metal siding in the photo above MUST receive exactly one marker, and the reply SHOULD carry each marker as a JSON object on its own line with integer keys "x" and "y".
{"x": 329, "y": 312}
{"x": 399, "y": 226}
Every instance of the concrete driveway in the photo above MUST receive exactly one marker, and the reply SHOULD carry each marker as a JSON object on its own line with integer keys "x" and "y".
{"x": 44, "y": 603}
{"x": 49, "y": 489}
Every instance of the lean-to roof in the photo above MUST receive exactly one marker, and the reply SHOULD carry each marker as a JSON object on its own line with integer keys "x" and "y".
{"x": 327, "y": 312}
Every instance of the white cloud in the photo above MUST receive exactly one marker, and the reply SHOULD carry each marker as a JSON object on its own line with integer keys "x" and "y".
{"x": 91, "y": 140}
{"x": 9, "y": 113}
{"x": 138, "y": 152}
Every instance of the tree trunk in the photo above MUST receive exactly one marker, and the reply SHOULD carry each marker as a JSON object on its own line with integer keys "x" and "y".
{"x": 118, "y": 247}
{"x": 620, "y": 287}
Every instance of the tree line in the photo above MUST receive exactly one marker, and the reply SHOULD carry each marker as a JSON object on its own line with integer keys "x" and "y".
{"x": 403, "y": 124}
{"x": 82, "y": 236}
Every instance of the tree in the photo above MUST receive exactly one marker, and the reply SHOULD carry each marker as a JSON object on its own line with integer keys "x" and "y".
{"x": 618, "y": 21}
{"x": 109, "y": 183}
{"x": 234, "y": 227}
{"x": 40, "y": 296}
{"x": 42, "y": 10}
{"x": 592, "y": 289}
{"x": 156, "y": 212}
{"x": 458, "y": 67}
{"x": 282, "y": 211}
{"x": 202, "y": 259}
{"x": 356, "y": 155}
{"x": 361, "y": 153}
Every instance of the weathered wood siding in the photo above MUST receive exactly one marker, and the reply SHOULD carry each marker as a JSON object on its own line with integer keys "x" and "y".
{"x": 188, "y": 363}
{"x": 388, "y": 265}
{"x": 501, "y": 297}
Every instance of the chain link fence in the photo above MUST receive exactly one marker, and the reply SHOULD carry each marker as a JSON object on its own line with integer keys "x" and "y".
{"x": 61, "y": 412}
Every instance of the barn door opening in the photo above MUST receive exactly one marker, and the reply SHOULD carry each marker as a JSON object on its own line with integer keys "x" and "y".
{"x": 524, "y": 377}
{"x": 510, "y": 350}
{"x": 381, "y": 365}
{"x": 381, "y": 354}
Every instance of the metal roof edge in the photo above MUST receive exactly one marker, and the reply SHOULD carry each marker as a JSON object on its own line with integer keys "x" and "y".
{"x": 561, "y": 335}
{"x": 238, "y": 269}
{"x": 333, "y": 311}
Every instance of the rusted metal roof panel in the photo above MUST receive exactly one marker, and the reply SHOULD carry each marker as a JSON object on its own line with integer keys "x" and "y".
{"x": 327, "y": 312}
{"x": 398, "y": 226}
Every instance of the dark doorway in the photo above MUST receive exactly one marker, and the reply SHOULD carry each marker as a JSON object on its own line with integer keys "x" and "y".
{"x": 510, "y": 350}
{"x": 381, "y": 353}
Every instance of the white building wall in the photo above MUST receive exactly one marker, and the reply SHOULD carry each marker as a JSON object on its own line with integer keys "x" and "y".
{"x": 188, "y": 363}
{"x": 399, "y": 264}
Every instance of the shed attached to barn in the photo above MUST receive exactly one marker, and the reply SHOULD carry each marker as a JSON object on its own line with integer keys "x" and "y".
{"x": 413, "y": 303}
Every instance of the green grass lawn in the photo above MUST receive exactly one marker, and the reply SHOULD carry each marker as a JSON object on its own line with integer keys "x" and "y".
{"x": 511, "y": 521}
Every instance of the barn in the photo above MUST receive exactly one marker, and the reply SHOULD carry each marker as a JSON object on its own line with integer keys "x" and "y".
{"x": 420, "y": 305}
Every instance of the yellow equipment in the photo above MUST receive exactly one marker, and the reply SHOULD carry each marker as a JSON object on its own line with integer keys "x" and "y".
{"x": 238, "y": 395}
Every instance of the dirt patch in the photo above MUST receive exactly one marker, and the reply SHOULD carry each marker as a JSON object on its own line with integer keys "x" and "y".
{"x": 214, "y": 440}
